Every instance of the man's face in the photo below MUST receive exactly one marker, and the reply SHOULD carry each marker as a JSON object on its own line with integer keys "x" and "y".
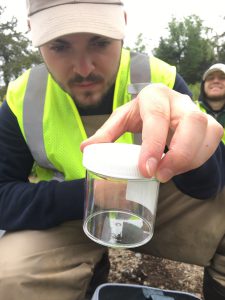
{"x": 214, "y": 86}
{"x": 84, "y": 65}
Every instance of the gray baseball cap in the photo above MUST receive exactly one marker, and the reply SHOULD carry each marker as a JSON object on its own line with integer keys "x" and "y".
{"x": 214, "y": 68}
{"x": 50, "y": 19}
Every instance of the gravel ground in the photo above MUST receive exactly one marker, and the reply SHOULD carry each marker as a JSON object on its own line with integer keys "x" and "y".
{"x": 137, "y": 268}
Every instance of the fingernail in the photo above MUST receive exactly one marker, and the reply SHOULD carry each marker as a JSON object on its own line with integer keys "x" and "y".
{"x": 164, "y": 175}
{"x": 151, "y": 165}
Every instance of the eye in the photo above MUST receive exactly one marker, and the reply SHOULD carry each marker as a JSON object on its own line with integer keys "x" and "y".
{"x": 101, "y": 43}
{"x": 59, "y": 48}
{"x": 210, "y": 77}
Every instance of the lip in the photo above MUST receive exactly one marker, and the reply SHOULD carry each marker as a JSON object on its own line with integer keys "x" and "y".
{"x": 87, "y": 84}
{"x": 215, "y": 87}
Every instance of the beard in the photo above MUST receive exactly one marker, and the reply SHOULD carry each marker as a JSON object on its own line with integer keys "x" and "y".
{"x": 88, "y": 98}
{"x": 216, "y": 103}
{"x": 216, "y": 98}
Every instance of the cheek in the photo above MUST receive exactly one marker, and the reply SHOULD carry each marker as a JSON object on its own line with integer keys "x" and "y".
{"x": 206, "y": 88}
{"x": 110, "y": 64}
{"x": 57, "y": 67}
{"x": 60, "y": 71}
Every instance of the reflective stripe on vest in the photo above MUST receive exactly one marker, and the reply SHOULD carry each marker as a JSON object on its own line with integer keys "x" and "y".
{"x": 140, "y": 77}
{"x": 33, "y": 109}
{"x": 140, "y": 74}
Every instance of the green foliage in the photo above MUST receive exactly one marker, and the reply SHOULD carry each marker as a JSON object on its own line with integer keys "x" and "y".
{"x": 195, "y": 89}
{"x": 16, "y": 54}
{"x": 219, "y": 42}
{"x": 139, "y": 45}
{"x": 188, "y": 46}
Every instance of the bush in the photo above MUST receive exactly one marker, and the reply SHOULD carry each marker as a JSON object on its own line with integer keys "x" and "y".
{"x": 195, "y": 89}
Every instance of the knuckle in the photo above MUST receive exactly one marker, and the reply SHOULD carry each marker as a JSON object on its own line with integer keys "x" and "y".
{"x": 186, "y": 99}
{"x": 199, "y": 117}
{"x": 161, "y": 113}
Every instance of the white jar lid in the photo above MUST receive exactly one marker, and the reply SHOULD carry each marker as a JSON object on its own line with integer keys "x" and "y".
{"x": 116, "y": 160}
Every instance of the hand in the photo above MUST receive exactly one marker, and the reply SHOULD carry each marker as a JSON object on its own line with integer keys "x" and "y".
{"x": 165, "y": 117}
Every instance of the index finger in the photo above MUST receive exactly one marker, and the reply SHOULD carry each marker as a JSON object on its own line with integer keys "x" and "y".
{"x": 125, "y": 118}
{"x": 155, "y": 114}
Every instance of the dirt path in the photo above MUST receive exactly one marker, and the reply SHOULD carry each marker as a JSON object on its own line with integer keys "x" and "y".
{"x": 136, "y": 268}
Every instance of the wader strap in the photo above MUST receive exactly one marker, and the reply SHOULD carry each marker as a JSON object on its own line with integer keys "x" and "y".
{"x": 33, "y": 111}
{"x": 140, "y": 77}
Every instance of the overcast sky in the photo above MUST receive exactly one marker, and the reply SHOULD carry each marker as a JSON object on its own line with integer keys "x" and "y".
{"x": 146, "y": 16}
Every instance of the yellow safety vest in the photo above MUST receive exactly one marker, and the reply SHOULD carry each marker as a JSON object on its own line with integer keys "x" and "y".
{"x": 56, "y": 123}
{"x": 204, "y": 110}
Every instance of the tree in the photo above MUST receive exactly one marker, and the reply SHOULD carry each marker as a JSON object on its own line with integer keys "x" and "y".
{"x": 219, "y": 41}
{"x": 219, "y": 45}
{"x": 188, "y": 47}
{"x": 16, "y": 53}
{"x": 139, "y": 45}
{"x": 221, "y": 53}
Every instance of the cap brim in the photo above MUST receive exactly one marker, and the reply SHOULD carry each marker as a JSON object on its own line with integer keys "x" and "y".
{"x": 66, "y": 19}
{"x": 210, "y": 71}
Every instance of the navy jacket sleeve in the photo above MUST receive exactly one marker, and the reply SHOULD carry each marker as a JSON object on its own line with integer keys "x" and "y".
{"x": 24, "y": 205}
{"x": 206, "y": 181}
{"x": 209, "y": 179}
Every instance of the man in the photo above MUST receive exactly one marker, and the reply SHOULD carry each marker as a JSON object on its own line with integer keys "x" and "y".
{"x": 50, "y": 111}
{"x": 212, "y": 94}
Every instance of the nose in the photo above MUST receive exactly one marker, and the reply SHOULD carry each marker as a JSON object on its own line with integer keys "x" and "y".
{"x": 83, "y": 64}
{"x": 216, "y": 78}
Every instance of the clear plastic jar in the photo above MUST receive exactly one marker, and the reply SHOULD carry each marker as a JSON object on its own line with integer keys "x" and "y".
{"x": 120, "y": 204}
